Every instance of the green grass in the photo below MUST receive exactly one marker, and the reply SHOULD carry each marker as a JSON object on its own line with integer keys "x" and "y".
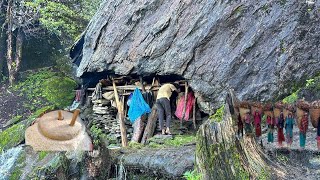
{"x": 11, "y": 136}
{"x": 180, "y": 140}
{"x": 46, "y": 87}
{"x": 192, "y": 175}
{"x": 42, "y": 155}
{"x": 14, "y": 135}
{"x": 177, "y": 141}
{"x": 135, "y": 145}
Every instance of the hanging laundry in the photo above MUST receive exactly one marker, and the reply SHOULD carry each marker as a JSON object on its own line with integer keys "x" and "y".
{"x": 179, "y": 110}
{"x": 138, "y": 106}
{"x": 148, "y": 97}
{"x": 78, "y": 95}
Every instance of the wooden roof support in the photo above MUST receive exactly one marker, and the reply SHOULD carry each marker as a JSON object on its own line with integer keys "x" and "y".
{"x": 123, "y": 131}
{"x": 128, "y": 88}
{"x": 185, "y": 103}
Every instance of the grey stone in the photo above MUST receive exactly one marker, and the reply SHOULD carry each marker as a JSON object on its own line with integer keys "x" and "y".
{"x": 259, "y": 48}
{"x": 171, "y": 163}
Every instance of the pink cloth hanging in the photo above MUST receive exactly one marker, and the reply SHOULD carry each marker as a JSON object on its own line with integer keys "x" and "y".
{"x": 190, "y": 102}
{"x": 78, "y": 95}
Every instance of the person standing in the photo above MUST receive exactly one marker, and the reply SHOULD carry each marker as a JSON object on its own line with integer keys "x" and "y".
{"x": 257, "y": 123}
{"x": 270, "y": 123}
{"x": 289, "y": 129}
{"x": 280, "y": 124}
{"x": 163, "y": 106}
{"x": 240, "y": 126}
{"x": 303, "y": 130}
{"x": 247, "y": 121}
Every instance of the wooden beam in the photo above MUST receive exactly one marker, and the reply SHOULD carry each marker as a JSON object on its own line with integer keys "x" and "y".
{"x": 123, "y": 131}
{"x": 151, "y": 125}
{"x": 128, "y": 88}
{"x": 194, "y": 114}
{"x": 141, "y": 84}
{"x": 185, "y": 103}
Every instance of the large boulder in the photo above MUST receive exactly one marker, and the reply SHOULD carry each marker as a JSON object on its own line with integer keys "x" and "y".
{"x": 262, "y": 49}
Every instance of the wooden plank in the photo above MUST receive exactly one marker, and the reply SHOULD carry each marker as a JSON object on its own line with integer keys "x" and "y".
{"x": 123, "y": 130}
{"x": 141, "y": 85}
{"x": 185, "y": 103}
{"x": 128, "y": 88}
{"x": 151, "y": 125}
{"x": 194, "y": 113}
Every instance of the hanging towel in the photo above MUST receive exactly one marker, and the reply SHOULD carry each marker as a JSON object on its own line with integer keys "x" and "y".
{"x": 138, "y": 106}
{"x": 78, "y": 95}
{"x": 179, "y": 110}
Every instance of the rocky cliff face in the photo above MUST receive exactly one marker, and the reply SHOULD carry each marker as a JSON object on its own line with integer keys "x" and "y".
{"x": 259, "y": 48}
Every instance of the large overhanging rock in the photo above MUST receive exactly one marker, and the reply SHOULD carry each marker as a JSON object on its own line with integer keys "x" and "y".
{"x": 259, "y": 48}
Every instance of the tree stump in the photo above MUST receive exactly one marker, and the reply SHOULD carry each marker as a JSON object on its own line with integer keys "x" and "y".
{"x": 220, "y": 155}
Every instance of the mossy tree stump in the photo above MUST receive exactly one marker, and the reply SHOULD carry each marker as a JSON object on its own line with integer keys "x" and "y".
{"x": 220, "y": 155}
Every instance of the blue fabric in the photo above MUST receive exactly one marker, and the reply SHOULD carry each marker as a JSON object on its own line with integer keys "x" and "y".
{"x": 138, "y": 106}
{"x": 302, "y": 140}
{"x": 289, "y": 126}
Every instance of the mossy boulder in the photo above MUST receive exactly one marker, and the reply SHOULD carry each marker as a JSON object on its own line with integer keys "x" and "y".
{"x": 59, "y": 90}
{"x": 14, "y": 135}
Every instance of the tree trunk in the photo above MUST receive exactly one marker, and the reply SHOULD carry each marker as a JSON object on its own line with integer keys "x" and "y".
{"x": 2, "y": 51}
{"x": 151, "y": 125}
{"x": 18, "y": 54}
{"x": 10, "y": 62}
{"x": 2, "y": 40}
{"x": 220, "y": 155}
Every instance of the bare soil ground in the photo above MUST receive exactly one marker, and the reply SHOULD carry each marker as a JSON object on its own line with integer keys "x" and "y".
{"x": 294, "y": 162}
{"x": 11, "y": 105}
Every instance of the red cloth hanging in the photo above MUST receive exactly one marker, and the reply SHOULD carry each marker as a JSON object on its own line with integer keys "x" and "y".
{"x": 179, "y": 110}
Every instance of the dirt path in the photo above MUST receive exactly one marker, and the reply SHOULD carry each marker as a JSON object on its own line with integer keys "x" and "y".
{"x": 11, "y": 105}
{"x": 293, "y": 162}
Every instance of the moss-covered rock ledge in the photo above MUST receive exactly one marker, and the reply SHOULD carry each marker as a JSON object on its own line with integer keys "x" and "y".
{"x": 220, "y": 155}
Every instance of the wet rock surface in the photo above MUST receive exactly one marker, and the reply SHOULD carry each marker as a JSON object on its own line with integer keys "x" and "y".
{"x": 259, "y": 48}
{"x": 169, "y": 163}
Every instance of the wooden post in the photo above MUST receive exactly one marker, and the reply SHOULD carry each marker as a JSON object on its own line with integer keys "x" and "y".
{"x": 74, "y": 117}
{"x": 124, "y": 139}
{"x": 141, "y": 84}
{"x": 194, "y": 113}
{"x": 151, "y": 125}
{"x": 185, "y": 103}
{"x": 60, "y": 117}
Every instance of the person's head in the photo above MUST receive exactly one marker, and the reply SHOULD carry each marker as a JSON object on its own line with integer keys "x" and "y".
{"x": 305, "y": 115}
{"x": 268, "y": 117}
{"x": 177, "y": 86}
{"x": 290, "y": 115}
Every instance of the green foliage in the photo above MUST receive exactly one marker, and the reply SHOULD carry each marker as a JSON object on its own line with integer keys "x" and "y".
{"x": 135, "y": 145}
{"x": 42, "y": 155}
{"x": 291, "y": 98}
{"x": 310, "y": 82}
{"x": 64, "y": 18}
{"x": 192, "y": 175}
{"x": 11, "y": 136}
{"x": 47, "y": 85}
{"x": 218, "y": 116}
{"x": 96, "y": 134}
